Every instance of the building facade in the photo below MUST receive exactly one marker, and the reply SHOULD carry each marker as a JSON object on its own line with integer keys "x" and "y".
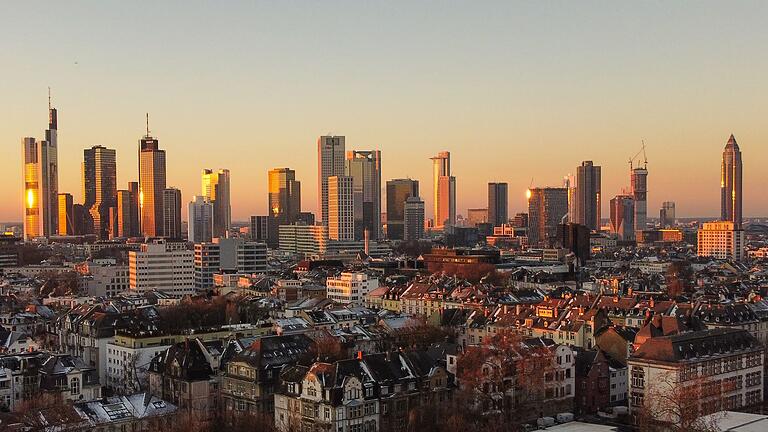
{"x": 730, "y": 184}
{"x": 200, "y": 222}
{"x": 364, "y": 167}
{"x": 100, "y": 187}
{"x": 330, "y": 162}
{"x": 341, "y": 219}
{"x": 498, "y": 207}
{"x": 284, "y": 202}
{"x": 152, "y": 176}
{"x": 547, "y": 207}
{"x": 414, "y": 219}
{"x": 172, "y": 213}
{"x": 215, "y": 187}
{"x": 398, "y": 191}
{"x": 588, "y": 202}
{"x": 444, "y": 187}
{"x": 721, "y": 240}
{"x": 623, "y": 217}
{"x": 161, "y": 266}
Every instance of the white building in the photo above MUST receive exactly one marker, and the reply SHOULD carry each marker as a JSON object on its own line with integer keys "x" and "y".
{"x": 721, "y": 240}
{"x": 227, "y": 255}
{"x": 350, "y": 287}
{"x": 162, "y": 266}
{"x": 106, "y": 278}
{"x": 128, "y": 361}
{"x": 722, "y": 367}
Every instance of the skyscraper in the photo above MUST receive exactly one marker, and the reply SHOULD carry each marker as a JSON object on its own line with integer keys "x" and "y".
{"x": 547, "y": 209}
{"x": 200, "y": 222}
{"x": 623, "y": 217}
{"x": 639, "y": 180}
{"x": 215, "y": 187}
{"x": 365, "y": 169}
{"x": 41, "y": 181}
{"x": 730, "y": 184}
{"x": 66, "y": 219}
{"x": 444, "y": 189}
{"x": 498, "y": 196}
{"x": 284, "y": 201}
{"x": 152, "y": 177}
{"x": 126, "y": 218}
{"x": 134, "y": 211}
{"x": 172, "y": 213}
{"x": 259, "y": 229}
{"x": 667, "y": 216}
{"x": 330, "y": 162}
{"x": 398, "y": 191}
{"x": 414, "y": 219}
{"x": 341, "y": 221}
{"x": 587, "y": 200}
{"x": 99, "y": 187}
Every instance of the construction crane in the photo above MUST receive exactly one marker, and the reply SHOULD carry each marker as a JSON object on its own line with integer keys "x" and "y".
{"x": 637, "y": 155}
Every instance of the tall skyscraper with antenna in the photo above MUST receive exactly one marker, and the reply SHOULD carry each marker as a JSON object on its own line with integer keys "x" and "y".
{"x": 152, "y": 177}
{"x": 730, "y": 184}
{"x": 41, "y": 180}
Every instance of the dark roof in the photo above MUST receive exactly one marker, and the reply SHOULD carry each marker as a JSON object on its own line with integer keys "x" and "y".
{"x": 693, "y": 346}
{"x": 185, "y": 360}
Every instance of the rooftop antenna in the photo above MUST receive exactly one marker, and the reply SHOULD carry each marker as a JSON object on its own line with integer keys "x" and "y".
{"x": 147, "y": 124}
{"x": 49, "y": 98}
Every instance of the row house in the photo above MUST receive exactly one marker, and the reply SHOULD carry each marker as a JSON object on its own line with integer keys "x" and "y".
{"x": 374, "y": 392}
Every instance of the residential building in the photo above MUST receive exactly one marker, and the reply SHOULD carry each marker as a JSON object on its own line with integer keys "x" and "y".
{"x": 160, "y": 266}
{"x": 227, "y": 255}
{"x": 350, "y": 288}
{"x": 721, "y": 240}
{"x": 721, "y": 368}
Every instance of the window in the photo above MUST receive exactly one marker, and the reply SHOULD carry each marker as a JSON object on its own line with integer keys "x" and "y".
{"x": 638, "y": 377}
{"x": 74, "y": 386}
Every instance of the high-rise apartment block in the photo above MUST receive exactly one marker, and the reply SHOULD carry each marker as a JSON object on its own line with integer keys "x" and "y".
{"x": 547, "y": 209}
{"x": 284, "y": 201}
{"x": 66, "y": 223}
{"x": 330, "y": 162}
{"x": 41, "y": 181}
{"x": 730, "y": 184}
{"x": 200, "y": 220}
{"x": 398, "y": 191}
{"x": 498, "y": 207}
{"x": 172, "y": 213}
{"x": 100, "y": 187}
{"x": 341, "y": 221}
{"x": 216, "y": 187}
{"x": 152, "y": 176}
{"x": 227, "y": 255}
{"x": 364, "y": 167}
{"x": 721, "y": 240}
{"x": 587, "y": 199}
{"x": 623, "y": 217}
{"x": 161, "y": 266}
{"x": 414, "y": 219}
{"x": 667, "y": 216}
{"x": 444, "y": 185}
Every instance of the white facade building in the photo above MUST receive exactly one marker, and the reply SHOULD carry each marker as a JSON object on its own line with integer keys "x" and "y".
{"x": 350, "y": 288}
{"x": 721, "y": 240}
{"x": 163, "y": 267}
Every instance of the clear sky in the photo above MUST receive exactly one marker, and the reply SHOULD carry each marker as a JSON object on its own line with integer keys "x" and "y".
{"x": 515, "y": 90}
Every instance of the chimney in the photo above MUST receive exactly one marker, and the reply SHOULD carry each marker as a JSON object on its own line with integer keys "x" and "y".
{"x": 653, "y": 302}
{"x": 517, "y": 309}
{"x": 359, "y": 355}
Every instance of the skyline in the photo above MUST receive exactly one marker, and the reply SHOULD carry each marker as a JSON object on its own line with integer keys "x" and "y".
{"x": 502, "y": 120}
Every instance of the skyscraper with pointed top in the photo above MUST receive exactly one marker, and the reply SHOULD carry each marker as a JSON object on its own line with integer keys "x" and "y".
{"x": 730, "y": 184}
{"x": 151, "y": 184}
{"x": 41, "y": 180}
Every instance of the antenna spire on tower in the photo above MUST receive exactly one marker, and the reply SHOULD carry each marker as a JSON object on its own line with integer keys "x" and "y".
{"x": 49, "y": 98}
{"x": 147, "y": 124}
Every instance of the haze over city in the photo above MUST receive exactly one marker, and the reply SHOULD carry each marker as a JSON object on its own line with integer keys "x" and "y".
{"x": 517, "y": 92}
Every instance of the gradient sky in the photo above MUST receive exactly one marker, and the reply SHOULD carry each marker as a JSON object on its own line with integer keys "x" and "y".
{"x": 515, "y": 90}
